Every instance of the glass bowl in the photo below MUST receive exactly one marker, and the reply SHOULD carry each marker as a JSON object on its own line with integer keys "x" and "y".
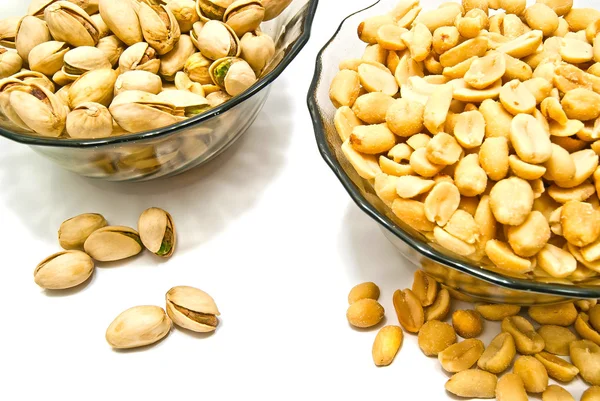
{"x": 174, "y": 149}
{"x": 455, "y": 272}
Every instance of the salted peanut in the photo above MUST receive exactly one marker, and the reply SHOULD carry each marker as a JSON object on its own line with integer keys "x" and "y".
{"x": 546, "y": 205}
{"x": 407, "y": 20}
{"x": 532, "y": 372}
{"x": 471, "y": 24}
{"x": 367, "y": 30}
{"x": 345, "y": 88}
{"x": 509, "y": 25}
{"x": 523, "y": 45}
{"x": 434, "y": 19}
{"x": 425, "y": 288}
{"x": 470, "y": 48}
{"x": 556, "y": 393}
{"x": 452, "y": 243}
{"x": 422, "y": 166}
{"x": 591, "y": 394}
{"x": 530, "y": 237}
{"x": 572, "y": 127}
{"x": 516, "y": 98}
{"x": 560, "y": 7}
{"x": 374, "y": 79}
{"x": 469, "y": 177}
{"x": 467, "y": 323}
{"x": 554, "y": 221}
{"x": 581, "y": 104}
{"x": 557, "y": 368}
{"x": 497, "y": 119}
{"x": 564, "y": 195}
{"x": 542, "y": 120}
{"x": 459, "y": 70}
{"x": 445, "y": 38}
{"x": 485, "y": 220}
{"x": 585, "y": 355}
{"x": 440, "y": 307}
{"x": 362, "y": 291}
{"x": 539, "y": 88}
{"x": 353, "y": 64}
{"x": 375, "y": 53}
{"x": 580, "y": 223}
{"x": 400, "y": 153}
{"x": 461, "y": 356}
{"x": 497, "y": 312}
{"x": 402, "y": 8}
{"x": 504, "y": 258}
{"x": 386, "y": 345}
{"x": 556, "y": 261}
{"x": 470, "y": 129}
{"x": 388, "y": 37}
{"x": 498, "y": 355}
{"x": 405, "y": 118}
{"x": 586, "y": 162}
{"x": 385, "y": 188}
{"x": 468, "y": 204}
{"x": 419, "y": 41}
{"x": 516, "y": 69}
{"x": 580, "y": 18}
{"x": 365, "y": 313}
{"x": 443, "y": 149}
{"x": 585, "y": 329}
{"x": 556, "y": 339}
{"x": 495, "y": 40}
{"x": 511, "y": 201}
{"x": 462, "y": 226}
{"x": 529, "y": 139}
{"x": 560, "y": 314}
{"x": 595, "y": 266}
{"x": 472, "y": 383}
{"x": 596, "y": 55}
{"x": 392, "y": 61}
{"x": 582, "y": 273}
{"x": 576, "y": 51}
{"x": 435, "y": 336}
{"x": 432, "y": 64}
{"x": 436, "y": 108}
{"x": 372, "y": 108}
{"x": 527, "y": 341}
{"x": 540, "y": 16}
{"x": 345, "y": 120}
{"x": 552, "y": 109}
{"x": 524, "y": 170}
{"x": 464, "y": 93}
{"x": 563, "y": 28}
{"x": 568, "y": 77}
{"x": 596, "y": 147}
{"x": 412, "y": 213}
{"x": 594, "y": 314}
{"x": 406, "y": 68}
{"x": 372, "y": 139}
{"x": 511, "y": 388}
{"x": 418, "y": 141}
{"x": 590, "y": 131}
{"x": 441, "y": 203}
{"x": 585, "y": 305}
{"x": 410, "y": 186}
{"x": 365, "y": 165}
{"x": 409, "y": 310}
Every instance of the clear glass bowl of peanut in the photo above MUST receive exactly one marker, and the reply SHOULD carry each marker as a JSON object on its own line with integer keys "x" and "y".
{"x": 471, "y": 132}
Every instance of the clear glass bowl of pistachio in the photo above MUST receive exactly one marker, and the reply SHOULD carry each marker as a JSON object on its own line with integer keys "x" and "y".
{"x": 128, "y": 90}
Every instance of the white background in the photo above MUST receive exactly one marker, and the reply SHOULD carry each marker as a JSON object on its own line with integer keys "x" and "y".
{"x": 266, "y": 229}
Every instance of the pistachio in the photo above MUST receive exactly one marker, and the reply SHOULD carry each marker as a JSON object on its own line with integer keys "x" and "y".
{"x": 103, "y": 29}
{"x": 195, "y": 32}
{"x": 112, "y": 47}
{"x": 30, "y": 32}
{"x": 10, "y": 63}
{"x": 139, "y": 57}
{"x": 113, "y": 243}
{"x": 73, "y": 232}
{"x": 69, "y": 23}
{"x": 192, "y": 309}
{"x": 183, "y": 82}
{"x": 244, "y": 16}
{"x": 62, "y": 79}
{"x": 258, "y": 50}
{"x": 157, "y": 232}
{"x": 39, "y": 110}
{"x": 159, "y": 27}
{"x": 47, "y": 57}
{"x": 138, "y": 80}
{"x": 138, "y": 111}
{"x": 138, "y": 326}
{"x": 89, "y": 120}
{"x": 37, "y": 7}
{"x": 196, "y": 67}
{"x": 175, "y": 60}
{"x": 8, "y": 31}
{"x": 184, "y": 12}
{"x": 212, "y": 9}
{"x": 122, "y": 20}
{"x": 273, "y": 8}
{"x": 64, "y": 270}
{"x": 217, "y": 98}
{"x": 82, "y": 59}
{"x": 93, "y": 86}
{"x": 232, "y": 74}
{"x": 217, "y": 40}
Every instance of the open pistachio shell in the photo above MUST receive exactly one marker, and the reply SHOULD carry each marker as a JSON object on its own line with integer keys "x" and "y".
{"x": 191, "y": 103}
{"x": 139, "y": 57}
{"x": 183, "y": 82}
{"x": 174, "y": 61}
{"x": 82, "y": 59}
{"x": 138, "y": 326}
{"x": 89, "y": 120}
{"x": 184, "y": 12}
{"x": 137, "y": 111}
{"x": 244, "y": 16}
{"x": 7, "y": 114}
{"x": 62, "y": 79}
{"x": 157, "y": 232}
{"x": 47, "y": 57}
{"x": 217, "y": 40}
{"x": 34, "y": 77}
{"x": 93, "y": 86}
{"x": 103, "y": 29}
{"x": 159, "y": 27}
{"x": 112, "y": 47}
{"x": 40, "y": 110}
{"x": 37, "y": 7}
{"x": 273, "y": 8}
{"x": 232, "y": 74}
{"x": 10, "y": 63}
{"x": 31, "y": 31}
{"x": 121, "y": 18}
{"x": 8, "y": 31}
{"x": 196, "y": 28}
{"x": 70, "y": 23}
{"x": 196, "y": 67}
{"x": 192, "y": 309}
{"x": 217, "y": 98}
{"x": 212, "y": 9}
{"x": 64, "y": 270}
{"x": 258, "y": 50}
{"x": 113, "y": 243}
{"x": 74, "y": 231}
{"x": 138, "y": 80}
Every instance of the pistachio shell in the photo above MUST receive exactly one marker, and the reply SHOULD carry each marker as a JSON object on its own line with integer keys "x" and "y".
{"x": 232, "y": 74}
{"x": 159, "y": 27}
{"x": 138, "y": 80}
{"x": 37, "y": 7}
{"x": 217, "y": 98}
{"x": 112, "y": 47}
{"x": 196, "y": 28}
{"x": 173, "y": 62}
{"x": 139, "y": 57}
{"x": 70, "y": 23}
{"x": 10, "y": 63}
{"x": 7, "y": 114}
{"x": 89, "y": 120}
{"x": 93, "y": 86}
{"x": 138, "y": 326}
{"x": 273, "y": 8}
{"x": 137, "y": 111}
{"x": 47, "y": 57}
{"x": 192, "y": 309}
{"x": 63, "y": 94}
{"x": 217, "y": 40}
{"x": 112, "y": 243}
{"x": 8, "y": 31}
{"x": 82, "y": 59}
{"x": 40, "y": 110}
{"x": 191, "y": 103}
{"x": 258, "y": 50}
{"x": 121, "y": 18}
{"x": 196, "y": 67}
{"x": 64, "y": 270}
{"x": 31, "y": 31}
{"x": 184, "y": 12}
{"x": 62, "y": 79}
{"x": 183, "y": 82}
{"x": 244, "y": 16}
{"x": 103, "y": 29}
{"x": 212, "y": 9}
{"x": 157, "y": 232}
{"x": 34, "y": 77}
{"x": 73, "y": 232}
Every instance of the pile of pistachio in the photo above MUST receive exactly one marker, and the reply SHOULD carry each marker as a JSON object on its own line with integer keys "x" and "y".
{"x": 549, "y": 350}
{"x": 103, "y": 243}
{"x": 99, "y": 68}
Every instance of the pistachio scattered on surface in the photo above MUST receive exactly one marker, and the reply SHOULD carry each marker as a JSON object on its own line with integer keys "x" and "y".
{"x": 113, "y": 243}
{"x": 73, "y": 232}
{"x": 138, "y": 326}
{"x": 192, "y": 309}
{"x": 64, "y": 270}
{"x": 157, "y": 232}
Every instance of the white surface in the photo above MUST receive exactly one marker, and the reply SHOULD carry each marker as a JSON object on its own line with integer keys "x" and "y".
{"x": 266, "y": 229}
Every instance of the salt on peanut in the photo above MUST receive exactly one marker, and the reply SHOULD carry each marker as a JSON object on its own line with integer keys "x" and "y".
{"x": 409, "y": 310}
{"x": 499, "y": 354}
{"x": 440, "y": 307}
{"x": 425, "y": 288}
{"x": 467, "y": 323}
{"x": 511, "y": 388}
{"x": 435, "y": 336}
{"x": 461, "y": 356}
{"x": 556, "y": 339}
{"x": 473, "y": 383}
{"x": 532, "y": 372}
{"x": 527, "y": 341}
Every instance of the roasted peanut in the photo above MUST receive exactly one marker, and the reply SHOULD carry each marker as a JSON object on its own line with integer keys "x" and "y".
{"x": 372, "y": 108}
{"x": 472, "y": 383}
{"x": 436, "y": 108}
{"x": 540, "y": 16}
{"x": 467, "y": 323}
{"x": 365, "y": 165}
{"x": 560, "y": 7}
{"x": 580, "y": 18}
{"x": 556, "y": 261}
{"x": 365, "y": 313}
{"x": 581, "y": 104}
{"x": 497, "y": 312}
{"x": 585, "y": 355}
{"x": 585, "y": 330}
{"x": 580, "y": 223}
{"x": 556, "y": 339}
{"x": 419, "y": 41}
{"x": 511, "y": 388}
{"x": 433, "y": 19}
{"x": 388, "y": 37}
{"x": 498, "y": 355}
{"x": 425, "y": 288}
{"x": 462, "y": 225}
{"x": 470, "y": 129}
{"x": 529, "y": 238}
{"x": 372, "y": 139}
{"x": 591, "y": 394}
{"x": 443, "y": 149}
{"x": 594, "y": 314}
{"x": 461, "y": 356}
{"x": 364, "y": 290}
{"x": 513, "y": 6}
{"x": 511, "y": 201}
{"x": 526, "y": 171}
{"x": 532, "y": 372}
{"x": 405, "y": 118}
{"x": 504, "y": 258}
{"x": 445, "y": 38}
{"x": 345, "y": 88}
{"x": 557, "y": 368}
{"x": 523, "y": 45}
{"x": 375, "y": 79}
{"x": 560, "y": 314}
{"x": 386, "y": 345}
{"x": 556, "y": 393}
{"x": 440, "y": 307}
{"x": 367, "y": 30}
{"x": 529, "y": 139}
{"x": 409, "y": 310}
{"x": 345, "y": 120}
{"x": 527, "y": 341}
{"x": 469, "y": 48}
{"x": 412, "y": 213}
{"x": 435, "y": 336}
{"x": 497, "y": 119}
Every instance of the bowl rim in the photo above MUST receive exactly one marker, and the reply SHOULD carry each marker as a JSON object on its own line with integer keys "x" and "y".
{"x": 423, "y": 248}
{"x": 309, "y": 9}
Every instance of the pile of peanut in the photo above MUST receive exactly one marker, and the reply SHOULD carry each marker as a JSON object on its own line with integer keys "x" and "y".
{"x": 476, "y": 368}
{"x": 481, "y": 131}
